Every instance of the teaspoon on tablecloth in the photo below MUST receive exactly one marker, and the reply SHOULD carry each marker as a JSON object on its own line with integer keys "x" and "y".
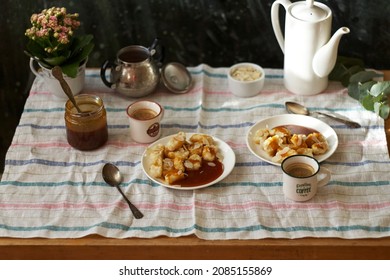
{"x": 295, "y": 108}
{"x": 113, "y": 177}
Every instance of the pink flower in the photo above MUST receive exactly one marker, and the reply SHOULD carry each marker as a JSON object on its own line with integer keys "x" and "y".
{"x": 42, "y": 33}
{"x": 68, "y": 21}
{"x": 51, "y": 40}
{"x": 53, "y": 28}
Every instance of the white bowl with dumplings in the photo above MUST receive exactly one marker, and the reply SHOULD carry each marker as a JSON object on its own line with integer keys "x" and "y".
{"x": 246, "y": 79}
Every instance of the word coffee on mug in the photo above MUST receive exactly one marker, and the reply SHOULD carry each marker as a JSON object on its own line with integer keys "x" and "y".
{"x": 145, "y": 117}
{"x": 302, "y": 176}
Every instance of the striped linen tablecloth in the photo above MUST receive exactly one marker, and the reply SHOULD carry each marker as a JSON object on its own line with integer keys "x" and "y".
{"x": 51, "y": 190}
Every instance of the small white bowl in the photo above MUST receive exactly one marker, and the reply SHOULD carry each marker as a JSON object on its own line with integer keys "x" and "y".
{"x": 248, "y": 87}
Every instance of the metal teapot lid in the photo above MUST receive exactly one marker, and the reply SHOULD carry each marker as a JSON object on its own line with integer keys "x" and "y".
{"x": 308, "y": 11}
{"x": 176, "y": 77}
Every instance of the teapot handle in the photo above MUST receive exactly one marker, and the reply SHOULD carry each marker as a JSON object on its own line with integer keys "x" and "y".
{"x": 106, "y": 64}
{"x": 275, "y": 20}
{"x": 158, "y": 55}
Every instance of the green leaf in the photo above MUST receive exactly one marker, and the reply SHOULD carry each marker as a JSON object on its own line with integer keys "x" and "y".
{"x": 377, "y": 107}
{"x": 70, "y": 69}
{"x": 364, "y": 76}
{"x": 79, "y": 43}
{"x": 71, "y": 66}
{"x": 41, "y": 62}
{"x": 83, "y": 54}
{"x": 382, "y": 109}
{"x": 380, "y": 88}
{"x": 343, "y": 74}
{"x": 385, "y": 111}
{"x": 359, "y": 90}
{"x": 338, "y": 72}
{"x": 350, "y": 61}
{"x": 354, "y": 91}
{"x": 35, "y": 49}
{"x": 365, "y": 88}
{"x": 53, "y": 61}
{"x": 355, "y": 69}
{"x": 368, "y": 103}
{"x": 82, "y": 47}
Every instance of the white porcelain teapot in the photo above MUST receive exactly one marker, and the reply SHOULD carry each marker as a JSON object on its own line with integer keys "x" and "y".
{"x": 309, "y": 52}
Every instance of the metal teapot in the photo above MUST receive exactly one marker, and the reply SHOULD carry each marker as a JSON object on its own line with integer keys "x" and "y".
{"x": 135, "y": 72}
{"x": 309, "y": 52}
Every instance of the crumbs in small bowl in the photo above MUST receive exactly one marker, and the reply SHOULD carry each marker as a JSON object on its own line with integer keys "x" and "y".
{"x": 245, "y": 73}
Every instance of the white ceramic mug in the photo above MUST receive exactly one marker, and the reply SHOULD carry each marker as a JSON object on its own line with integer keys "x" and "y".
{"x": 302, "y": 177}
{"x": 52, "y": 84}
{"x": 145, "y": 117}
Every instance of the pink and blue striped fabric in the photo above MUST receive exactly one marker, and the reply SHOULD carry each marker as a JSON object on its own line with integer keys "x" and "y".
{"x": 51, "y": 190}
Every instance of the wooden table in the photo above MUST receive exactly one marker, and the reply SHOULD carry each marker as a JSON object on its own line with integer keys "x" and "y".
{"x": 190, "y": 247}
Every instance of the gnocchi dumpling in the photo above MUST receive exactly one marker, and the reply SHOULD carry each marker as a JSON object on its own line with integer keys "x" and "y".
{"x": 156, "y": 156}
{"x": 194, "y": 162}
{"x": 283, "y": 153}
{"x": 173, "y": 176}
{"x": 176, "y": 142}
{"x": 272, "y": 144}
{"x": 261, "y": 135}
{"x": 202, "y": 138}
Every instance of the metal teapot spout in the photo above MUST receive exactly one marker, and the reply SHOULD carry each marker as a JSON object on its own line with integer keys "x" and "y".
{"x": 325, "y": 58}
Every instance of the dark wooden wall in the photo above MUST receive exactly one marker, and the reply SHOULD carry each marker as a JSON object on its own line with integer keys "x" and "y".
{"x": 215, "y": 32}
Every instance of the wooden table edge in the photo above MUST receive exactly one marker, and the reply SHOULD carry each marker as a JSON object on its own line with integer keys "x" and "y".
{"x": 95, "y": 247}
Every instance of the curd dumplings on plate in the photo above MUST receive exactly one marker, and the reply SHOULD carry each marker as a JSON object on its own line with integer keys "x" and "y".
{"x": 173, "y": 161}
{"x": 279, "y": 143}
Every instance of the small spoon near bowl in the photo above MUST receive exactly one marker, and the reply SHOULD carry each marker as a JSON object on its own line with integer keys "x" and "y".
{"x": 296, "y": 108}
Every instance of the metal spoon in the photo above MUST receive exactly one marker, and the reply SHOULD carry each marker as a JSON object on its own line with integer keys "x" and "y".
{"x": 113, "y": 177}
{"x": 57, "y": 73}
{"x": 295, "y": 108}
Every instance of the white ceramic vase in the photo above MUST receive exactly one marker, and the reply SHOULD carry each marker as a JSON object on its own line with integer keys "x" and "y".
{"x": 52, "y": 84}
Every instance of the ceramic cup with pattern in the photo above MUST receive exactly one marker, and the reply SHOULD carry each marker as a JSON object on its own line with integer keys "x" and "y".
{"x": 145, "y": 117}
{"x": 302, "y": 176}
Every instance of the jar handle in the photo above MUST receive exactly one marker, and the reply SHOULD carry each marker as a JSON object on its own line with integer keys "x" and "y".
{"x": 106, "y": 64}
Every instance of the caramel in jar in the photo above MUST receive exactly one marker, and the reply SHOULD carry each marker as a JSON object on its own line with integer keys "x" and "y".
{"x": 86, "y": 130}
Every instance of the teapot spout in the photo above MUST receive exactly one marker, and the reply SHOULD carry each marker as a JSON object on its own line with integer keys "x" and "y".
{"x": 325, "y": 58}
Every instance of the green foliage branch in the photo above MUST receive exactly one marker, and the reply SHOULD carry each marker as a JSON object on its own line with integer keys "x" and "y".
{"x": 364, "y": 85}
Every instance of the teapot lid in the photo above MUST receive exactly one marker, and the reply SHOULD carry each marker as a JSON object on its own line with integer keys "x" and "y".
{"x": 307, "y": 11}
{"x": 176, "y": 77}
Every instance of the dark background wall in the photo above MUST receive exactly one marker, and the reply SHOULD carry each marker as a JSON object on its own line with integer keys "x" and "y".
{"x": 215, "y": 32}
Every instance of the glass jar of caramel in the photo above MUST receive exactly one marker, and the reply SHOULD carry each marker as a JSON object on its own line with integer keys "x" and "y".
{"x": 86, "y": 130}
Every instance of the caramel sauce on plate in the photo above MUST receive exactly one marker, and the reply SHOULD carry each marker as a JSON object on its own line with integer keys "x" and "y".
{"x": 209, "y": 172}
{"x": 297, "y": 129}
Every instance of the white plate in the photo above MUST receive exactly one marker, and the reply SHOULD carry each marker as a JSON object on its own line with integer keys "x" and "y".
{"x": 226, "y": 152}
{"x": 290, "y": 119}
